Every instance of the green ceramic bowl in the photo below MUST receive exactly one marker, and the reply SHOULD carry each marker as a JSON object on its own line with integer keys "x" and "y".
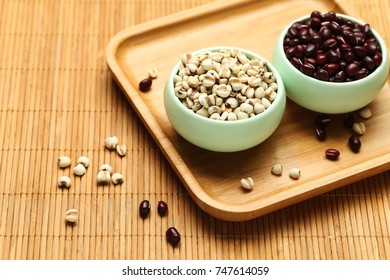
{"x": 330, "y": 97}
{"x": 224, "y": 136}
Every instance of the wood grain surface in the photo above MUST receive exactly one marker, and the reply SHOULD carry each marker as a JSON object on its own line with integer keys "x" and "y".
{"x": 58, "y": 97}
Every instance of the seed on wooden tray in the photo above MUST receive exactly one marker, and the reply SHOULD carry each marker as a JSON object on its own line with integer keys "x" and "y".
{"x": 173, "y": 236}
{"x": 111, "y": 142}
{"x": 349, "y": 120}
{"x": 321, "y": 133}
{"x": 64, "y": 161}
{"x": 354, "y": 143}
{"x": 247, "y": 183}
{"x": 83, "y": 160}
{"x": 64, "y": 182}
{"x": 106, "y": 167}
{"x": 103, "y": 177}
{"x": 145, "y": 85}
{"x": 277, "y": 169}
{"x": 121, "y": 150}
{"x": 295, "y": 173}
{"x": 359, "y": 128}
{"x": 153, "y": 73}
{"x": 323, "y": 120}
{"x": 117, "y": 178}
{"x": 332, "y": 154}
{"x": 365, "y": 113}
{"x": 72, "y": 215}
{"x": 162, "y": 208}
{"x": 79, "y": 169}
{"x": 144, "y": 208}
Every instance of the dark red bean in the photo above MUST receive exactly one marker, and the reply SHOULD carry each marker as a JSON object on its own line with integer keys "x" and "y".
{"x": 349, "y": 120}
{"x": 290, "y": 53}
{"x": 322, "y": 75}
{"x": 329, "y": 16}
{"x": 332, "y": 154}
{"x": 307, "y": 69}
{"x": 299, "y": 51}
{"x": 292, "y": 32}
{"x": 331, "y": 43}
{"x": 315, "y": 23}
{"x": 368, "y": 62}
{"x": 363, "y": 72}
{"x": 345, "y": 48}
{"x": 310, "y": 60}
{"x": 162, "y": 208}
{"x": 321, "y": 133}
{"x": 349, "y": 56}
{"x": 332, "y": 68}
{"x": 316, "y": 14}
{"x": 333, "y": 56}
{"x": 377, "y": 58}
{"x": 322, "y": 120}
{"x": 360, "y": 51}
{"x": 321, "y": 58}
{"x": 352, "y": 69}
{"x": 335, "y": 27}
{"x": 339, "y": 77}
{"x": 310, "y": 50}
{"x": 296, "y": 62}
{"x": 144, "y": 208}
{"x": 354, "y": 143}
{"x": 372, "y": 47}
{"x": 145, "y": 85}
{"x": 173, "y": 236}
{"x": 326, "y": 33}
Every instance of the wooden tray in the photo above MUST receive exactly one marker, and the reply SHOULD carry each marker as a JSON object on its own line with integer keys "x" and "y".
{"x": 213, "y": 179}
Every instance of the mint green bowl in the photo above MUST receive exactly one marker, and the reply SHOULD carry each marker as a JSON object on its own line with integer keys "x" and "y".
{"x": 330, "y": 97}
{"x": 224, "y": 136}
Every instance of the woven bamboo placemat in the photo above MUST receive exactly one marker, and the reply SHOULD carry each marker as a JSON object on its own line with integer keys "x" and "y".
{"x": 57, "y": 97}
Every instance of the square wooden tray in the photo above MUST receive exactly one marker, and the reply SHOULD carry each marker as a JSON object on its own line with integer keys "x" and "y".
{"x": 213, "y": 179}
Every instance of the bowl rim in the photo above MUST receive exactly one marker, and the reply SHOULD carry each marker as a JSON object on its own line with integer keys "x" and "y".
{"x": 373, "y": 75}
{"x": 280, "y": 96}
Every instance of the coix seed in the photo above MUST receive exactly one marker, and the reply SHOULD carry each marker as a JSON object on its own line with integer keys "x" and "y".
{"x": 172, "y": 236}
{"x": 71, "y": 215}
{"x": 79, "y": 169}
{"x": 64, "y": 161}
{"x": 106, "y": 167}
{"x": 162, "y": 208}
{"x": 111, "y": 142}
{"x": 332, "y": 154}
{"x": 83, "y": 160}
{"x": 295, "y": 173}
{"x": 64, "y": 182}
{"x": 144, "y": 208}
{"x": 117, "y": 178}
{"x": 247, "y": 183}
{"x": 277, "y": 169}
{"x": 365, "y": 113}
{"x": 354, "y": 143}
{"x": 359, "y": 128}
{"x": 103, "y": 177}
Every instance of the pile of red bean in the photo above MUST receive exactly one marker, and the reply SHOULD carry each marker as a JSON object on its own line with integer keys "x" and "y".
{"x": 331, "y": 48}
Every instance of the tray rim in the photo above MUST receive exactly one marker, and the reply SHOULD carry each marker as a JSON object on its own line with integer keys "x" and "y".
{"x": 202, "y": 199}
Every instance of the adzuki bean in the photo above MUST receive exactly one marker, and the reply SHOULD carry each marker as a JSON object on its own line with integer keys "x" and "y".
{"x": 354, "y": 143}
{"x": 172, "y": 236}
{"x": 144, "y": 208}
{"x": 331, "y": 48}
{"x": 145, "y": 85}
{"x": 162, "y": 208}
{"x": 332, "y": 154}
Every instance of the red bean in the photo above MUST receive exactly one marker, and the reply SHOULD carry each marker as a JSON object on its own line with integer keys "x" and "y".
{"x": 173, "y": 236}
{"x": 354, "y": 143}
{"x": 144, "y": 209}
{"x": 162, "y": 208}
{"x": 145, "y": 85}
{"x": 332, "y": 154}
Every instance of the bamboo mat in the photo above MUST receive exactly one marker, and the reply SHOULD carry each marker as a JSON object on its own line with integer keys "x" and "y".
{"x": 57, "y": 98}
